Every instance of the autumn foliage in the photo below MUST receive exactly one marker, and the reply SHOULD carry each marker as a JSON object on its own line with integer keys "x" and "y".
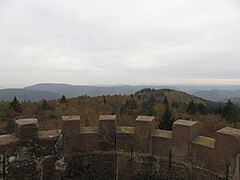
{"x": 166, "y": 105}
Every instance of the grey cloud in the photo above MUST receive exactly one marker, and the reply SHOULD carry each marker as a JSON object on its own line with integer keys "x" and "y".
{"x": 118, "y": 41}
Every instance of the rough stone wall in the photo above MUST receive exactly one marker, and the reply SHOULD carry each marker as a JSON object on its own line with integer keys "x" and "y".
{"x": 107, "y": 130}
{"x": 23, "y": 151}
{"x": 95, "y": 165}
{"x": 183, "y": 134}
{"x": 161, "y": 142}
{"x": 111, "y": 152}
{"x": 144, "y": 127}
{"x": 125, "y": 138}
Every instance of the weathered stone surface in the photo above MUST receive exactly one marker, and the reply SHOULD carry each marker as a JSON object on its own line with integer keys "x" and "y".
{"x": 24, "y": 166}
{"x": 161, "y": 142}
{"x": 40, "y": 157}
{"x": 227, "y": 148}
{"x": 89, "y": 139}
{"x": 26, "y": 129}
{"x": 183, "y": 134}
{"x": 203, "y": 152}
{"x": 7, "y": 139}
{"x": 97, "y": 165}
{"x": 71, "y": 133}
{"x": 107, "y": 130}
{"x": 125, "y": 138}
{"x": 144, "y": 127}
{"x": 47, "y": 142}
{"x": 125, "y": 170}
{"x": 23, "y": 152}
{"x": 50, "y": 172}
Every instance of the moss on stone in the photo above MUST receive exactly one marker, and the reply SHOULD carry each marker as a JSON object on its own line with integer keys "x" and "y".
{"x": 163, "y": 133}
{"x": 204, "y": 141}
{"x": 125, "y": 129}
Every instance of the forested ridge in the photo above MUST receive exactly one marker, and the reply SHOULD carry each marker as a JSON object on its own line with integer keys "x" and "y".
{"x": 165, "y": 104}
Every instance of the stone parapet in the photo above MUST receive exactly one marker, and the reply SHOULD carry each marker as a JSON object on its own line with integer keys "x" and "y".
{"x": 20, "y": 152}
{"x": 120, "y": 145}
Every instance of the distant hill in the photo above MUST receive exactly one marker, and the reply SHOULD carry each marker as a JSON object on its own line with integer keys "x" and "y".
{"x": 55, "y": 91}
{"x": 174, "y": 96}
{"x": 217, "y": 95}
{"x": 78, "y": 90}
{"x": 27, "y": 94}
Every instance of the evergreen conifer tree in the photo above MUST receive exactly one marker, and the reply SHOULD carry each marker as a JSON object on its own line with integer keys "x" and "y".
{"x": 15, "y": 105}
{"x": 63, "y": 99}
{"x": 167, "y": 119}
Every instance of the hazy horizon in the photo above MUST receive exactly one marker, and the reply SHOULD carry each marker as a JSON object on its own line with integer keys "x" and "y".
{"x": 119, "y": 42}
{"x": 181, "y": 86}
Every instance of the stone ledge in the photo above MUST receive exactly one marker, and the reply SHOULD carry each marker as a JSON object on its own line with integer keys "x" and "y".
{"x": 107, "y": 117}
{"x": 7, "y": 139}
{"x": 230, "y": 131}
{"x": 145, "y": 118}
{"x": 125, "y": 130}
{"x": 26, "y": 121}
{"x": 162, "y": 133}
{"x": 50, "y": 134}
{"x": 184, "y": 122}
{"x": 204, "y": 141}
{"x": 71, "y": 118}
{"x": 89, "y": 130}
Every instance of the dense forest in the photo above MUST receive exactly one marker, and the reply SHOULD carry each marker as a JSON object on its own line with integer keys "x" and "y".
{"x": 165, "y": 104}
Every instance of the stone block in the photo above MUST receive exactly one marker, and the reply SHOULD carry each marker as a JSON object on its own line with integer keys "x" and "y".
{"x": 49, "y": 141}
{"x": 228, "y": 141}
{"x": 71, "y": 132}
{"x": 144, "y": 127}
{"x": 49, "y": 170}
{"x": 183, "y": 133}
{"x": 125, "y": 138}
{"x": 161, "y": 142}
{"x": 107, "y": 130}
{"x": 26, "y": 128}
{"x": 227, "y": 147}
{"x": 125, "y": 169}
{"x": 203, "y": 153}
{"x": 95, "y": 165}
{"x": 89, "y": 139}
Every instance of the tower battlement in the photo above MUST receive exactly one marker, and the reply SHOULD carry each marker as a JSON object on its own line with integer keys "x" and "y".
{"x": 124, "y": 152}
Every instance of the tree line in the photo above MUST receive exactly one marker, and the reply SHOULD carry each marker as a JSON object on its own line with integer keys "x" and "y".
{"x": 150, "y": 102}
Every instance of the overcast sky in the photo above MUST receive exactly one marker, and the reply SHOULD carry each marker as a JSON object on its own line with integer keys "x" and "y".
{"x": 119, "y": 42}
